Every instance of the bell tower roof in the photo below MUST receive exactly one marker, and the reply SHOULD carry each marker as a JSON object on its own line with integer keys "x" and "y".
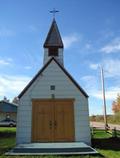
{"x": 53, "y": 38}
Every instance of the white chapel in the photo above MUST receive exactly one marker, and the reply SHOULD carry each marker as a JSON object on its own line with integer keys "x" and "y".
{"x": 53, "y": 107}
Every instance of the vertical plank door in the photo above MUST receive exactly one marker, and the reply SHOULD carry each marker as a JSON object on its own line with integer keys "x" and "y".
{"x": 43, "y": 116}
{"x": 63, "y": 121}
{"x": 52, "y": 120}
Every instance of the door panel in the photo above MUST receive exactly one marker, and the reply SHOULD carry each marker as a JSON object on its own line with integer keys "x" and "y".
{"x": 59, "y": 122}
{"x": 43, "y": 116}
{"x": 64, "y": 118}
{"x": 52, "y": 120}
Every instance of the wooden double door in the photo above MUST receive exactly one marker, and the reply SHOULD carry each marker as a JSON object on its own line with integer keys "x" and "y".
{"x": 52, "y": 120}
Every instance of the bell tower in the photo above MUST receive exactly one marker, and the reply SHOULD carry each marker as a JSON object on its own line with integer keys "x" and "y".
{"x": 53, "y": 46}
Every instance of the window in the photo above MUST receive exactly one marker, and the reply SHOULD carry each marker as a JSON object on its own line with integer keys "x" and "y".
{"x": 52, "y": 87}
{"x": 53, "y": 51}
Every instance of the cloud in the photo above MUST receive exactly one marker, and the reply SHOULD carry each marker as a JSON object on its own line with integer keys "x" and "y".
{"x": 70, "y": 40}
{"x": 10, "y": 86}
{"x": 111, "y": 71}
{"x": 93, "y": 86}
{"x": 88, "y": 46}
{"x": 110, "y": 94}
{"x": 89, "y": 79}
{"x": 28, "y": 67}
{"x": 111, "y": 67}
{"x": 5, "y": 62}
{"x": 112, "y": 47}
{"x": 4, "y": 32}
{"x": 94, "y": 66}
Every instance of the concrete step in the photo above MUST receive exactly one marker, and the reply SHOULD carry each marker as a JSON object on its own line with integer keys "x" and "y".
{"x": 71, "y": 148}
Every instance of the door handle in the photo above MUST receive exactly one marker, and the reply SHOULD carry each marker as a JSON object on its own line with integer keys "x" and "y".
{"x": 55, "y": 124}
{"x": 50, "y": 124}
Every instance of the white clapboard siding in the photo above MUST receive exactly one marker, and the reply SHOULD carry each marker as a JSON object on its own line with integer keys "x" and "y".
{"x": 53, "y": 75}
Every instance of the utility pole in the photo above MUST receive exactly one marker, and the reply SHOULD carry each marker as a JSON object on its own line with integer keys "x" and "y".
{"x": 104, "y": 100}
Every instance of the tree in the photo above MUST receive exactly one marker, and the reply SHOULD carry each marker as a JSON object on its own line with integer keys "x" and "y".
{"x": 5, "y": 99}
{"x": 15, "y": 100}
{"x": 116, "y": 104}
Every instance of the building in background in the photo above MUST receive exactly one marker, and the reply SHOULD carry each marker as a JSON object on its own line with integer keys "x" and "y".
{"x": 8, "y": 110}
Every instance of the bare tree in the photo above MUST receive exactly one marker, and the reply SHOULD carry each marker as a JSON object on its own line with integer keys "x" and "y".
{"x": 15, "y": 100}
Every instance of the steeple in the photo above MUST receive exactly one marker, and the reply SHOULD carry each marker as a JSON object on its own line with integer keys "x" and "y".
{"x": 53, "y": 38}
{"x": 53, "y": 46}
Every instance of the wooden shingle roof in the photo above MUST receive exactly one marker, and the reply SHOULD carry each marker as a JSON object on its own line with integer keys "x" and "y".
{"x": 53, "y": 38}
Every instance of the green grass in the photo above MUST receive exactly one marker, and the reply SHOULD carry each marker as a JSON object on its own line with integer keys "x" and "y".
{"x": 118, "y": 133}
{"x": 46, "y": 156}
{"x": 7, "y": 129}
{"x": 109, "y": 153}
{"x": 101, "y": 134}
{"x": 107, "y": 146}
{"x": 6, "y": 144}
{"x": 7, "y": 132}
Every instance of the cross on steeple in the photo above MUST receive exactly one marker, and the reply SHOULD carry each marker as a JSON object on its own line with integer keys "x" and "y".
{"x": 54, "y": 11}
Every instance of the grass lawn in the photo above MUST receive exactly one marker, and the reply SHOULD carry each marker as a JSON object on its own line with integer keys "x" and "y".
{"x": 8, "y": 129}
{"x": 101, "y": 134}
{"x": 107, "y": 146}
{"x": 6, "y": 144}
{"x": 7, "y": 132}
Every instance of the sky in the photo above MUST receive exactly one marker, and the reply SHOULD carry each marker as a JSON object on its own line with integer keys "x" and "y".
{"x": 90, "y": 31}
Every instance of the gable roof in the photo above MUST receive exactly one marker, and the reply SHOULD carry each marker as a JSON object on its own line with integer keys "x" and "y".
{"x": 53, "y": 38}
{"x": 7, "y": 106}
{"x": 6, "y": 102}
{"x": 43, "y": 68}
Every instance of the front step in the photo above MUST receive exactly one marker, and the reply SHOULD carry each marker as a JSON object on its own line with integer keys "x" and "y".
{"x": 52, "y": 149}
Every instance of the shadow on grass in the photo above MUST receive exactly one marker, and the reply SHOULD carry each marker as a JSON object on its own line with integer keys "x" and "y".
{"x": 106, "y": 143}
{"x": 7, "y": 135}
